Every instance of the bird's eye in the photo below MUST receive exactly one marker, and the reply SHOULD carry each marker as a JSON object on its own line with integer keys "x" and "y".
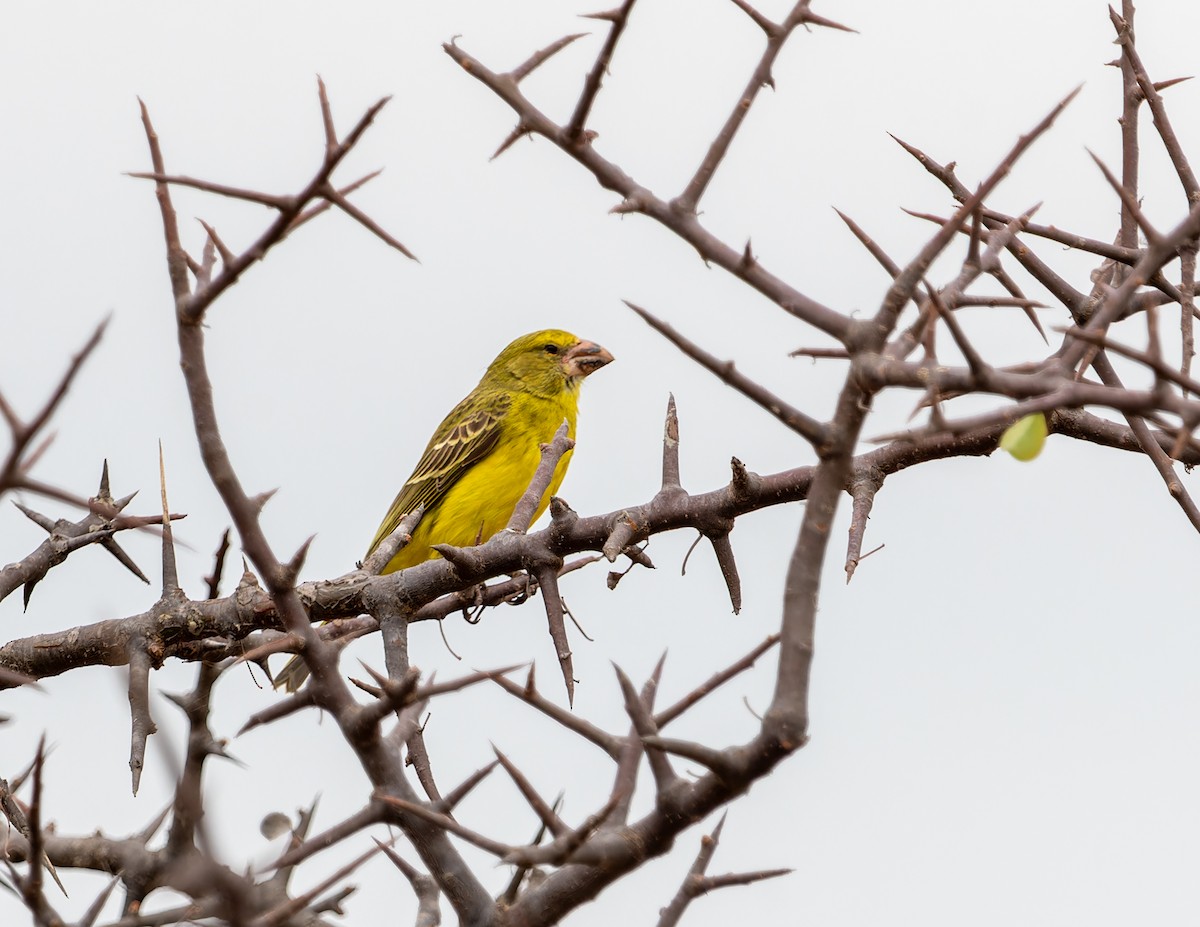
{"x": 550, "y": 348}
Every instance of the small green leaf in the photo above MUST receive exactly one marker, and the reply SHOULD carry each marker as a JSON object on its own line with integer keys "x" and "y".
{"x": 1024, "y": 439}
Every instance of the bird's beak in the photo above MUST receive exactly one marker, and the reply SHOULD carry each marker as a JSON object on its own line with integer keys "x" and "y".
{"x": 583, "y": 358}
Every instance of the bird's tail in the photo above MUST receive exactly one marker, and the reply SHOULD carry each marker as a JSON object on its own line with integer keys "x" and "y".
{"x": 293, "y": 674}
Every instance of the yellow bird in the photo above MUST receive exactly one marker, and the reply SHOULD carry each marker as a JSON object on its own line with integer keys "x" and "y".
{"x": 482, "y": 457}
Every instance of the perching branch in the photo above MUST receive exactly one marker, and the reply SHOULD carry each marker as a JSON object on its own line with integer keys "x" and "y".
{"x": 920, "y": 314}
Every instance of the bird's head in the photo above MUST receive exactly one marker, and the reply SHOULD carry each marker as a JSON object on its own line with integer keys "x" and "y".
{"x": 548, "y": 361}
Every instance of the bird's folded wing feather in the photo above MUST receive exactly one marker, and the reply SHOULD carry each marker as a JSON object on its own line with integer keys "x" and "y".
{"x": 466, "y": 436}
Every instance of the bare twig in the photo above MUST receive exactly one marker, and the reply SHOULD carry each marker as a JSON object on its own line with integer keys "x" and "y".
{"x": 697, "y": 882}
{"x": 591, "y": 86}
{"x": 807, "y": 427}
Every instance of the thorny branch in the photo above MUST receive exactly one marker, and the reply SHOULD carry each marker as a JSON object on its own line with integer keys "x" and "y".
{"x": 270, "y": 611}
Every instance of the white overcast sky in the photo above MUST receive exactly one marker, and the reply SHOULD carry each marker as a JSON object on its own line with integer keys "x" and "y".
{"x": 1004, "y": 700}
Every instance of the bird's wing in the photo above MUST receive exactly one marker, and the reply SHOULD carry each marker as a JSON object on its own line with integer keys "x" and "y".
{"x": 466, "y": 436}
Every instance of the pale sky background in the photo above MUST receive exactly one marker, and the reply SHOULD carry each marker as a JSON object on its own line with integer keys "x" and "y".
{"x": 1004, "y": 701}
